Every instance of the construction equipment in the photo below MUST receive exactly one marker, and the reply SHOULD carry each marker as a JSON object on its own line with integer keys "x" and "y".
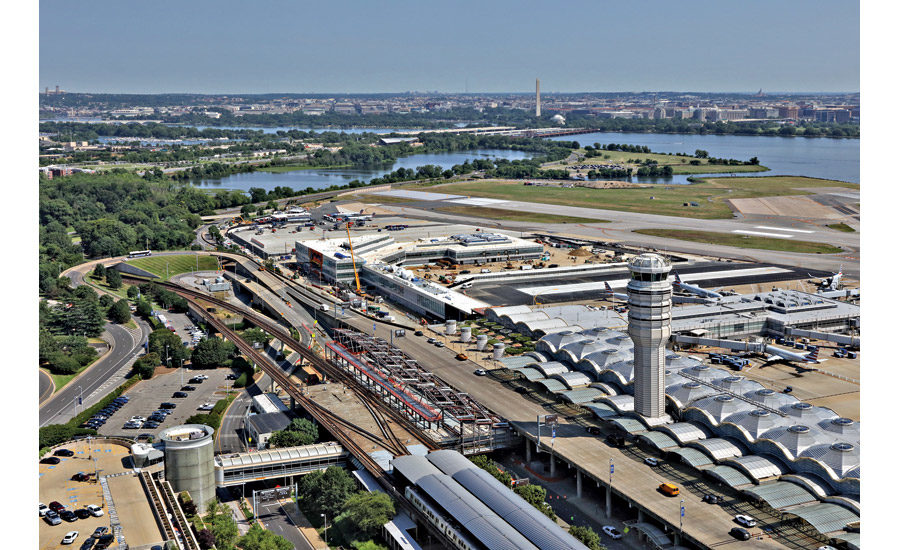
{"x": 353, "y": 260}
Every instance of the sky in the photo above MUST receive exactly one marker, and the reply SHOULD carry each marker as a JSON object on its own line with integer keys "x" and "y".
{"x": 354, "y": 46}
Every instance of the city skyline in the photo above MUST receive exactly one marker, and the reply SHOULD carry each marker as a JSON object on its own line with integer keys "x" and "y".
{"x": 289, "y": 48}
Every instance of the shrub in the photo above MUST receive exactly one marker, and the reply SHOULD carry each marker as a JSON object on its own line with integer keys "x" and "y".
{"x": 60, "y": 363}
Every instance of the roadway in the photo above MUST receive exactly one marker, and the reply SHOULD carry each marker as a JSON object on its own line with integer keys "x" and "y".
{"x": 123, "y": 347}
{"x": 276, "y": 519}
{"x": 45, "y": 386}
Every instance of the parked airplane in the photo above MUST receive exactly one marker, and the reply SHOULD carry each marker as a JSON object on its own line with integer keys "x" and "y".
{"x": 693, "y": 289}
{"x": 780, "y": 354}
{"x": 830, "y": 283}
{"x": 610, "y": 295}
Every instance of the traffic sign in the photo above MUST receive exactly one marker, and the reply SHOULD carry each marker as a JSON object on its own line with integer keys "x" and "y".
{"x": 682, "y": 511}
{"x": 612, "y": 468}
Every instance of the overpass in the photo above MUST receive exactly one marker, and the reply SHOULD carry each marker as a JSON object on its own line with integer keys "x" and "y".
{"x": 240, "y": 468}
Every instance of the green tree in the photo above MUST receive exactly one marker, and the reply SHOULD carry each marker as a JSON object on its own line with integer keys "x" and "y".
{"x": 47, "y": 345}
{"x": 167, "y": 345}
{"x": 587, "y": 536}
{"x": 114, "y": 279}
{"x": 326, "y": 491}
{"x": 60, "y": 363}
{"x": 367, "y": 512}
{"x": 224, "y": 528}
{"x": 258, "y": 538}
{"x": 255, "y": 336}
{"x": 120, "y": 312}
{"x": 308, "y": 430}
{"x": 84, "y": 292}
{"x": 106, "y": 301}
{"x": 99, "y": 271}
{"x": 701, "y": 154}
{"x": 211, "y": 353}
{"x": 146, "y": 365}
{"x": 132, "y": 292}
{"x": 144, "y": 309}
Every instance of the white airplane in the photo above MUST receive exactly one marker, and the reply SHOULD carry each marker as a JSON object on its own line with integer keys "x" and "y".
{"x": 780, "y": 354}
{"x": 830, "y": 283}
{"x": 610, "y": 295}
{"x": 693, "y": 289}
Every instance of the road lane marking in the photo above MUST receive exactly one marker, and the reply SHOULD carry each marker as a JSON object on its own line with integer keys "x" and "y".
{"x": 763, "y": 234}
{"x": 788, "y": 229}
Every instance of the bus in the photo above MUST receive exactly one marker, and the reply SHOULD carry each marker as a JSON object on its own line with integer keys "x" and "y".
{"x": 139, "y": 253}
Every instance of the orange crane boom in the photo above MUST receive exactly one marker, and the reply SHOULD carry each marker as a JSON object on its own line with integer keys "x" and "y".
{"x": 353, "y": 260}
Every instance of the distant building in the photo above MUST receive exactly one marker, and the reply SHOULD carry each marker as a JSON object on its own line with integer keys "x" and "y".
{"x": 789, "y": 111}
{"x": 260, "y": 427}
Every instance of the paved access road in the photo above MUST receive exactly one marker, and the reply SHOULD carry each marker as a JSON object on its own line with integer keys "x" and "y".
{"x": 45, "y": 386}
{"x": 275, "y": 518}
{"x": 61, "y": 407}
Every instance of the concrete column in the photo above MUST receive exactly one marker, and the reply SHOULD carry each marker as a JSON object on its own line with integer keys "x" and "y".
{"x": 527, "y": 451}
{"x": 552, "y": 466}
{"x": 293, "y": 403}
{"x": 609, "y": 502}
{"x": 677, "y": 538}
{"x": 640, "y": 515}
{"x": 578, "y": 483}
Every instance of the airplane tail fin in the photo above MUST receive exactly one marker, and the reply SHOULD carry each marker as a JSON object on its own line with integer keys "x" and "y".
{"x": 608, "y": 288}
{"x": 813, "y": 355}
{"x": 677, "y": 278}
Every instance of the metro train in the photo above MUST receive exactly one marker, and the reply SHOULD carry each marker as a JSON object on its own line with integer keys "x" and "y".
{"x": 434, "y": 517}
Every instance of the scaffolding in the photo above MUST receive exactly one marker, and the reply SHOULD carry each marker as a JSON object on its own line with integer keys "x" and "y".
{"x": 422, "y": 396}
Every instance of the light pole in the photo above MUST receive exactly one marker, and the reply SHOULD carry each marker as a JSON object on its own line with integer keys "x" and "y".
{"x": 609, "y": 490}
{"x": 326, "y": 527}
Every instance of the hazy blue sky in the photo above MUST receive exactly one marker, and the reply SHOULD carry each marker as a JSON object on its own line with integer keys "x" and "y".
{"x": 226, "y": 46}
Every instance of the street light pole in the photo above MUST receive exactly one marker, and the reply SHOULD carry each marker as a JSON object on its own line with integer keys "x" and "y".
{"x": 609, "y": 490}
{"x": 326, "y": 527}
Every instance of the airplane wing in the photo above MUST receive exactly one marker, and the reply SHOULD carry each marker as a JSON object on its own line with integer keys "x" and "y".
{"x": 773, "y": 358}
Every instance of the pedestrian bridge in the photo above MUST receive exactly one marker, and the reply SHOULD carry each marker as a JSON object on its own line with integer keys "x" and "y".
{"x": 240, "y": 468}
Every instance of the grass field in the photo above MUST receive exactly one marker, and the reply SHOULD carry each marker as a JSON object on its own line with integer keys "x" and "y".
{"x": 842, "y": 227}
{"x": 514, "y": 215}
{"x": 167, "y": 266}
{"x": 742, "y": 241}
{"x": 680, "y": 165}
{"x": 709, "y": 193}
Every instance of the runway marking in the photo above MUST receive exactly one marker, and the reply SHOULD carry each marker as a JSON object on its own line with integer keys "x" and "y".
{"x": 763, "y": 234}
{"x": 478, "y": 201}
{"x": 788, "y": 229}
{"x": 552, "y": 288}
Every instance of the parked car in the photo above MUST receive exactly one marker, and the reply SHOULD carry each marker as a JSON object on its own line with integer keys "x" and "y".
{"x": 206, "y": 407}
{"x": 50, "y": 460}
{"x": 95, "y": 510}
{"x": 711, "y": 499}
{"x": 81, "y": 476}
{"x": 104, "y": 541}
{"x": 99, "y": 532}
{"x": 63, "y": 452}
{"x": 650, "y": 461}
{"x": 612, "y": 532}
{"x": 70, "y": 537}
{"x": 56, "y": 506}
{"x": 167, "y": 405}
{"x": 739, "y": 533}
{"x": 179, "y": 394}
{"x": 745, "y": 520}
{"x": 188, "y": 388}
{"x": 231, "y": 376}
{"x": 42, "y": 509}
{"x": 68, "y": 515}
{"x": 52, "y": 518}
{"x": 81, "y": 513}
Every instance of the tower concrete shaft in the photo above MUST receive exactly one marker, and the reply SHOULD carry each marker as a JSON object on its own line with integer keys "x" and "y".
{"x": 649, "y": 325}
{"x": 537, "y": 97}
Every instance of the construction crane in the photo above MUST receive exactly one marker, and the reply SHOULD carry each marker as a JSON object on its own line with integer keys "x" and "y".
{"x": 353, "y": 260}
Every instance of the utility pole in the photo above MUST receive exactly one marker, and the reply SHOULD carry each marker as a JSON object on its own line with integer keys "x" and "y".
{"x": 609, "y": 490}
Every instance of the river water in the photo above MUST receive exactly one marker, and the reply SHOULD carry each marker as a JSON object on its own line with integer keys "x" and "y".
{"x": 814, "y": 157}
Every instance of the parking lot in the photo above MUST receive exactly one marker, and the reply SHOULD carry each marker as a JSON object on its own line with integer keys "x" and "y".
{"x": 56, "y": 484}
{"x": 146, "y": 397}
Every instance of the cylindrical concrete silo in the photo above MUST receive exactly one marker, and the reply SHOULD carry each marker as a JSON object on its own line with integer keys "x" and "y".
{"x": 450, "y": 327}
{"x": 189, "y": 461}
{"x": 481, "y": 341}
{"x": 465, "y": 334}
{"x": 498, "y": 350}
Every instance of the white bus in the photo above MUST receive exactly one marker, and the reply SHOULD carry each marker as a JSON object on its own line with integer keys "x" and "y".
{"x": 139, "y": 253}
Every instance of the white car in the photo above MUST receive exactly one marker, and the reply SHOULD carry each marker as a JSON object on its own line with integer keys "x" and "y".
{"x": 650, "y": 461}
{"x": 612, "y": 532}
{"x": 138, "y": 419}
{"x": 205, "y": 407}
{"x": 480, "y": 372}
{"x": 42, "y": 509}
{"x": 95, "y": 510}
{"x": 746, "y": 521}
{"x": 70, "y": 537}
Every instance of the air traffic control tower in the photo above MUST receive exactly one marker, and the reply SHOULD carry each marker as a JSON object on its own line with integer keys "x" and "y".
{"x": 649, "y": 325}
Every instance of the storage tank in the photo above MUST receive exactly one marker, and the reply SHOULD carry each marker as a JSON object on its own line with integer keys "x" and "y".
{"x": 465, "y": 334}
{"x": 189, "y": 461}
{"x": 450, "y": 327}
{"x": 481, "y": 341}
{"x": 498, "y": 350}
